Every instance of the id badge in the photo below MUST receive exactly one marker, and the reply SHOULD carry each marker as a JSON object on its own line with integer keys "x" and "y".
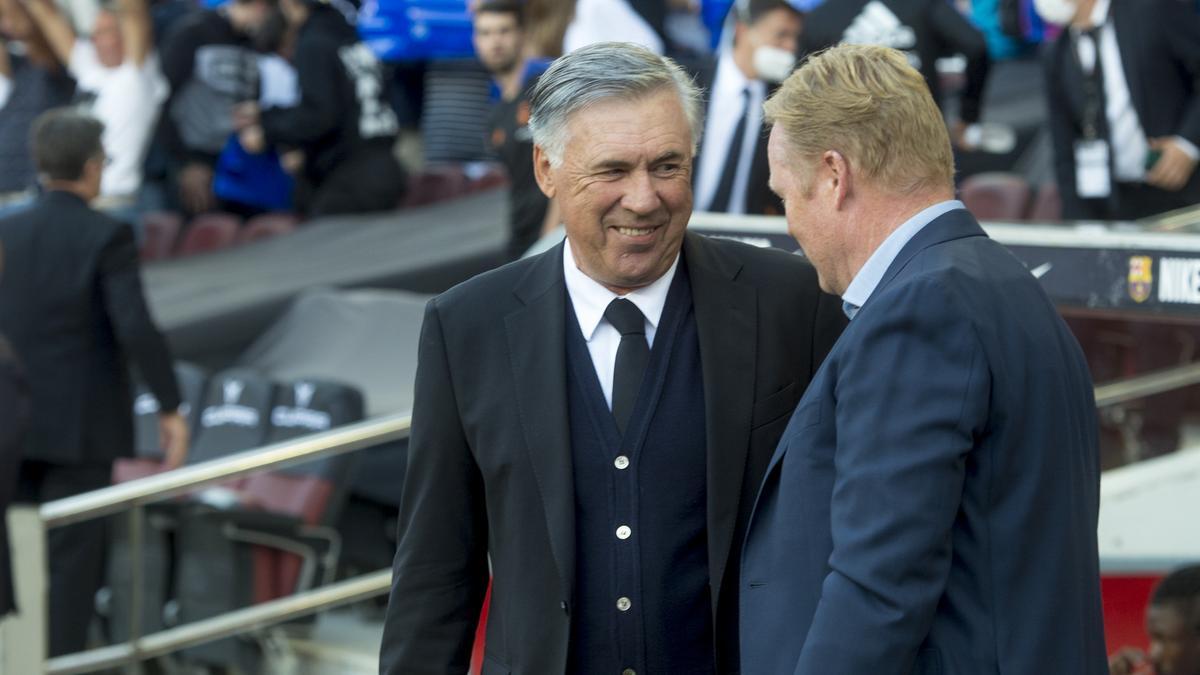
{"x": 1093, "y": 178}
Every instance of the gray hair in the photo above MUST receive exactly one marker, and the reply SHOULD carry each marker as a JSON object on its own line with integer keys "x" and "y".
{"x": 598, "y": 72}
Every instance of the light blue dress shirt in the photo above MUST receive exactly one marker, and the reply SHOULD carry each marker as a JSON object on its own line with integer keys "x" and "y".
{"x": 864, "y": 283}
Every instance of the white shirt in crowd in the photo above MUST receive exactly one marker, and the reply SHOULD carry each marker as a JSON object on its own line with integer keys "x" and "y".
{"x": 607, "y": 21}
{"x": 1129, "y": 144}
{"x": 590, "y": 299}
{"x": 127, "y": 101}
{"x": 724, "y": 110}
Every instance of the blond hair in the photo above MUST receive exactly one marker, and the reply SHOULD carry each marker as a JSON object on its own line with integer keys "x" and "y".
{"x": 870, "y": 105}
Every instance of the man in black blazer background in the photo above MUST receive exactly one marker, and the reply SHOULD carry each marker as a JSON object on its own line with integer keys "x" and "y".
{"x": 71, "y": 303}
{"x": 731, "y": 167}
{"x": 595, "y": 420}
{"x": 1123, "y": 106}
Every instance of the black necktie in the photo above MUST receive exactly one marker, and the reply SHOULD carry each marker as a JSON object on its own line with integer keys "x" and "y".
{"x": 733, "y": 158}
{"x": 632, "y": 355}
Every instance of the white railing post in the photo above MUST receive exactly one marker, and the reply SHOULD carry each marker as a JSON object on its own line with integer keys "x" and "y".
{"x": 23, "y": 639}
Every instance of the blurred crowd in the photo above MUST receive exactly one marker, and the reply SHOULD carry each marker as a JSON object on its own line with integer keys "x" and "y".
{"x": 254, "y": 106}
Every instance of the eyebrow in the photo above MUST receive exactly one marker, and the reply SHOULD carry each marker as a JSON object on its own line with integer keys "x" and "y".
{"x": 668, "y": 156}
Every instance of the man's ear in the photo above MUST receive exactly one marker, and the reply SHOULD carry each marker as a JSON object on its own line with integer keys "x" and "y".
{"x": 837, "y": 172}
{"x": 542, "y": 171}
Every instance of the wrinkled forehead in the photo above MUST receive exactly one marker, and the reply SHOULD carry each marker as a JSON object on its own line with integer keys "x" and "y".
{"x": 641, "y": 127}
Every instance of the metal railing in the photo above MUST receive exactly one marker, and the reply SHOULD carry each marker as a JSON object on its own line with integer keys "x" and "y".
{"x": 26, "y": 651}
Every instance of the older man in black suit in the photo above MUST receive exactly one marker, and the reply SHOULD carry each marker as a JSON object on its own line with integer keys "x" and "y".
{"x": 71, "y": 302}
{"x": 595, "y": 420}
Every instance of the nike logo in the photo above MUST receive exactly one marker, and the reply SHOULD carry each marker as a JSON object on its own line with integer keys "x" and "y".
{"x": 1041, "y": 270}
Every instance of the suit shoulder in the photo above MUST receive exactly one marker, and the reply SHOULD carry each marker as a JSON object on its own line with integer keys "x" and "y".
{"x": 765, "y": 264}
{"x": 489, "y": 291}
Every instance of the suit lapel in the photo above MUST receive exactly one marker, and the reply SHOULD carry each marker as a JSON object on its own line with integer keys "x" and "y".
{"x": 727, "y": 323}
{"x": 537, "y": 344}
{"x": 1130, "y": 55}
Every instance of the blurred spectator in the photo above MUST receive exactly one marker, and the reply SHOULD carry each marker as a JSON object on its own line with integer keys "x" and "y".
{"x": 731, "y": 170}
{"x": 343, "y": 121}
{"x": 925, "y": 30}
{"x": 457, "y": 98}
{"x": 608, "y": 21}
{"x": 120, "y": 83}
{"x": 210, "y": 62}
{"x": 14, "y": 416}
{"x": 31, "y": 81}
{"x": 1173, "y": 626}
{"x": 499, "y": 42}
{"x": 1123, "y": 106}
{"x": 71, "y": 301}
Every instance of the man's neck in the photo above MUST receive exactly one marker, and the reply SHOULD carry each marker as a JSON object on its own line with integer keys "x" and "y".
{"x": 880, "y": 216}
{"x": 744, "y": 60}
{"x": 509, "y": 81}
{"x": 70, "y": 187}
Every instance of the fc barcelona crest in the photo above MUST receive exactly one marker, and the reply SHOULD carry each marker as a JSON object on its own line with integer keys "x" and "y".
{"x": 1141, "y": 277}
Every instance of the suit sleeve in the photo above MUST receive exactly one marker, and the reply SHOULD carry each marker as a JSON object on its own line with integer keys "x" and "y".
{"x": 318, "y": 70}
{"x": 1062, "y": 133}
{"x": 1181, "y": 27}
{"x": 911, "y": 395}
{"x": 962, "y": 37}
{"x": 440, "y": 573}
{"x": 121, "y": 281}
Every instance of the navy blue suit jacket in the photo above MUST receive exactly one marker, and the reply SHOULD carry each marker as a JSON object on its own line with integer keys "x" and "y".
{"x": 932, "y": 505}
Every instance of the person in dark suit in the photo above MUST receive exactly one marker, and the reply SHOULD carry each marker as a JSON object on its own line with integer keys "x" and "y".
{"x": 594, "y": 420}
{"x": 925, "y": 30}
{"x": 731, "y": 167}
{"x": 932, "y": 505}
{"x": 71, "y": 302}
{"x": 14, "y": 418}
{"x": 1124, "y": 108}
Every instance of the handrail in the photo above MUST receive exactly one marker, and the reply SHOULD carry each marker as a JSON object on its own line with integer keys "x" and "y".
{"x": 225, "y": 625}
{"x": 116, "y": 498}
{"x": 1141, "y": 386}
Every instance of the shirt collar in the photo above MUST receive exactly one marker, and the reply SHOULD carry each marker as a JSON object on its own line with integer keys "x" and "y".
{"x": 590, "y": 298}
{"x": 868, "y": 278}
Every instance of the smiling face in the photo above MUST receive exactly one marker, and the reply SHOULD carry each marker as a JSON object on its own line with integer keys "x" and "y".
{"x": 624, "y": 187}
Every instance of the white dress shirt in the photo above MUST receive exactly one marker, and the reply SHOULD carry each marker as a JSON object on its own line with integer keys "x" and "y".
{"x": 724, "y": 111}
{"x": 1129, "y": 144}
{"x": 590, "y": 299}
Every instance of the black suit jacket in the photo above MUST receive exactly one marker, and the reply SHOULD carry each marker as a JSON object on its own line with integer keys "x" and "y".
{"x": 490, "y": 471}
{"x": 760, "y": 201}
{"x": 14, "y": 415}
{"x": 71, "y": 303}
{"x": 1159, "y": 41}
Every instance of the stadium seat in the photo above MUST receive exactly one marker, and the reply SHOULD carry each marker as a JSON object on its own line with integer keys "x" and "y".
{"x": 160, "y": 231}
{"x": 191, "y": 379}
{"x": 268, "y": 225}
{"x": 1047, "y": 204}
{"x": 435, "y": 185}
{"x": 209, "y": 232}
{"x": 996, "y": 196}
{"x": 278, "y": 537}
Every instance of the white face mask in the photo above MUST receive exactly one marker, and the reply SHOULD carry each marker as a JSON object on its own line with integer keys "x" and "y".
{"x": 1057, "y": 12}
{"x": 773, "y": 64}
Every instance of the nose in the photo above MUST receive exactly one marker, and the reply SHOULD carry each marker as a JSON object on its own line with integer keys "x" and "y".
{"x": 641, "y": 195}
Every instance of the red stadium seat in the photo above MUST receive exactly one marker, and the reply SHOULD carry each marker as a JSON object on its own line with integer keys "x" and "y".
{"x": 210, "y": 232}
{"x": 268, "y": 225}
{"x": 1047, "y": 205}
{"x": 160, "y": 230}
{"x": 996, "y": 196}
{"x": 435, "y": 185}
